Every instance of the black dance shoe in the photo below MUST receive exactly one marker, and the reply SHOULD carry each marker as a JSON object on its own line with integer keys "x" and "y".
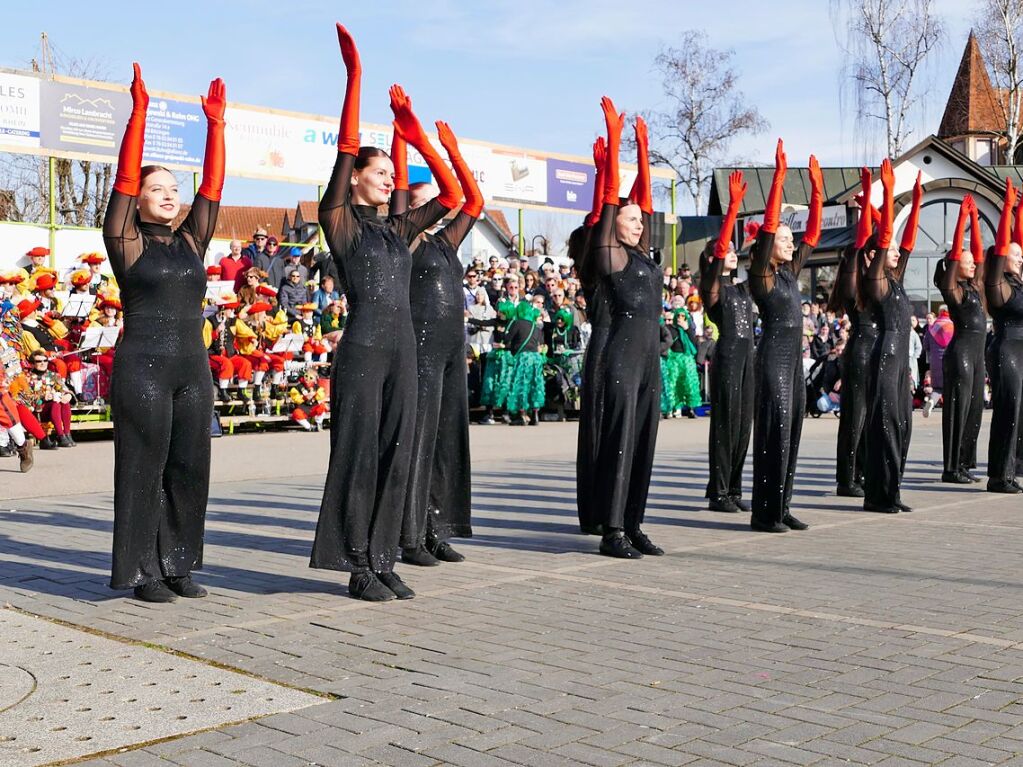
{"x": 591, "y": 529}
{"x": 903, "y": 507}
{"x": 643, "y": 544}
{"x": 969, "y": 475}
{"x": 48, "y": 443}
{"x": 443, "y": 551}
{"x": 955, "y": 478}
{"x": 868, "y": 506}
{"x": 723, "y": 503}
{"x": 617, "y": 545}
{"x": 368, "y": 587}
{"x": 155, "y": 591}
{"x": 743, "y": 506}
{"x": 794, "y": 524}
{"x": 7, "y": 451}
{"x": 1001, "y": 486}
{"x": 184, "y": 586}
{"x": 419, "y": 556}
{"x": 396, "y": 585}
{"x": 849, "y": 491}
{"x": 767, "y": 527}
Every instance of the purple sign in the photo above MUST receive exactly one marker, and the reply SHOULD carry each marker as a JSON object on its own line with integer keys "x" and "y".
{"x": 569, "y": 185}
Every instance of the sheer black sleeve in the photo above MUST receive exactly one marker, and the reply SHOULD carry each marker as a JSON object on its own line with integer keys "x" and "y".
{"x": 607, "y": 255}
{"x": 875, "y": 285}
{"x": 121, "y": 233}
{"x": 761, "y": 273}
{"x": 412, "y": 223}
{"x": 710, "y": 281}
{"x": 398, "y": 203}
{"x": 847, "y": 283}
{"x": 454, "y": 233}
{"x": 947, "y": 281}
{"x": 200, "y": 224}
{"x": 341, "y": 226}
{"x": 800, "y": 257}
{"x": 899, "y": 272}
{"x": 997, "y": 289}
{"x": 644, "y": 240}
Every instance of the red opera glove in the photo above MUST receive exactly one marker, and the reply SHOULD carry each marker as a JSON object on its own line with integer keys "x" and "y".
{"x": 213, "y": 104}
{"x": 399, "y": 156}
{"x": 875, "y": 214}
{"x": 642, "y": 194}
{"x": 866, "y": 223}
{"x": 772, "y": 210}
{"x": 599, "y": 161}
{"x": 129, "y": 158}
{"x": 408, "y": 125}
{"x": 736, "y": 191}
{"x": 886, "y": 231}
{"x": 913, "y": 222}
{"x": 473, "y": 204}
{"x": 957, "y": 239}
{"x": 812, "y": 236}
{"x": 976, "y": 239}
{"x": 1002, "y": 238}
{"x": 348, "y": 132}
{"x": 615, "y": 122}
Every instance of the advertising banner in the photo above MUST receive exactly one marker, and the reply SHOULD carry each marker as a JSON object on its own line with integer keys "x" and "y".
{"x": 80, "y": 118}
{"x": 569, "y": 184}
{"x": 19, "y": 110}
{"x": 517, "y": 177}
{"x": 175, "y": 132}
{"x": 832, "y": 217}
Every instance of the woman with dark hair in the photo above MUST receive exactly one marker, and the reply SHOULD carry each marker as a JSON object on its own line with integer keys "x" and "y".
{"x": 161, "y": 397}
{"x": 1004, "y": 291}
{"x": 890, "y": 418}
{"x": 959, "y": 277}
{"x": 631, "y": 385}
{"x": 373, "y": 386}
{"x": 730, "y": 307}
{"x": 778, "y": 369}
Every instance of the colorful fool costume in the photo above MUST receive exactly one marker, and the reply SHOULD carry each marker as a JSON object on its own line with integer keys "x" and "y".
{"x": 680, "y": 380}
{"x": 523, "y": 339}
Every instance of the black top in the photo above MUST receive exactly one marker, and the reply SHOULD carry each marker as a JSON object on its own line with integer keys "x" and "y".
{"x": 523, "y": 336}
{"x": 776, "y": 289}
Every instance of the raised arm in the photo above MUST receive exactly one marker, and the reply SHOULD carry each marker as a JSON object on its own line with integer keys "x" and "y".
{"x": 642, "y": 192}
{"x": 455, "y": 232}
{"x": 908, "y": 242}
{"x": 340, "y": 225}
{"x": 400, "y": 195}
{"x": 875, "y": 283}
{"x": 120, "y": 232}
{"x": 710, "y": 276}
{"x": 948, "y": 283}
{"x": 607, "y": 253}
{"x": 812, "y": 236}
{"x": 976, "y": 241}
{"x": 996, "y": 288}
{"x": 412, "y": 222}
{"x": 761, "y": 280}
{"x": 599, "y": 162}
{"x": 201, "y": 221}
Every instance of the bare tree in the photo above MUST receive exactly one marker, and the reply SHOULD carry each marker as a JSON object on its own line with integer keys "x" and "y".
{"x": 888, "y": 42}
{"x": 705, "y": 111}
{"x": 999, "y": 30}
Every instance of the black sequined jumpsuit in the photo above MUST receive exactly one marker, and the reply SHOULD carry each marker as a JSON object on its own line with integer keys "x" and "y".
{"x": 780, "y": 394}
{"x": 373, "y": 380}
{"x": 631, "y": 386}
{"x": 730, "y": 307}
{"x": 438, "y": 500}
{"x": 591, "y": 405}
{"x": 161, "y": 393}
{"x": 963, "y": 370}
{"x": 1004, "y": 293}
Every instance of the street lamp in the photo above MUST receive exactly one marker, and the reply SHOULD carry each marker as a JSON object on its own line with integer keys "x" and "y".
{"x": 532, "y": 243}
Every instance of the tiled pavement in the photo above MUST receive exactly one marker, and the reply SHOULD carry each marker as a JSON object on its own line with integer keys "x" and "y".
{"x": 867, "y": 640}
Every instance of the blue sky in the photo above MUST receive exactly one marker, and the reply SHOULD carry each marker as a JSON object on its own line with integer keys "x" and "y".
{"x": 521, "y": 72}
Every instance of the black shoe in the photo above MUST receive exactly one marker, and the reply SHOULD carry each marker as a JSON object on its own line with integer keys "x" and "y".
{"x": 617, "y": 545}
{"x": 794, "y": 524}
{"x": 769, "y": 527}
{"x": 185, "y": 587}
{"x": 692, "y": 413}
{"x": 488, "y": 421}
{"x": 723, "y": 503}
{"x": 868, "y": 506}
{"x": 6, "y": 451}
{"x": 65, "y": 441}
{"x": 534, "y": 418}
{"x": 955, "y": 478}
{"x": 444, "y": 552}
{"x": 71, "y": 441}
{"x": 155, "y": 591}
{"x": 396, "y": 585}
{"x": 1001, "y": 486}
{"x": 368, "y": 587}
{"x": 419, "y": 556}
{"x": 743, "y": 506}
{"x": 969, "y": 475}
{"x": 48, "y": 443}
{"x": 1015, "y": 483}
{"x": 849, "y": 491}
{"x": 644, "y": 545}
{"x": 903, "y": 507}
{"x": 591, "y": 529}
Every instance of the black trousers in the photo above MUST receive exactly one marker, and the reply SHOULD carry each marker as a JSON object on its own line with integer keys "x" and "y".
{"x": 1006, "y": 371}
{"x": 889, "y": 427}
{"x": 853, "y": 416}
{"x": 161, "y": 407}
{"x": 591, "y": 413}
{"x": 731, "y": 416}
{"x": 962, "y": 400}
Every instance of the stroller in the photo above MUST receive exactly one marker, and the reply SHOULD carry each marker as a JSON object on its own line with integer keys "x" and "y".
{"x": 562, "y": 379}
{"x": 816, "y": 392}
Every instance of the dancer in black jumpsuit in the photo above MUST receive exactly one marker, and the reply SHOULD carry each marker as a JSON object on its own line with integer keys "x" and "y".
{"x": 437, "y": 505}
{"x": 161, "y": 396}
{"x": 1004, "y": 291}
{"x": 632, "y": 376}
{"x": 780, "y": 396}
{"x": 959, "y": 277}
{"x": 373, "y": 386}
{"x": 890, "y": 417}
{"x": 730, "y": 307}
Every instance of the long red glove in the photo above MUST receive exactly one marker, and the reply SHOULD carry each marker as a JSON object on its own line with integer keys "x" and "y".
{"x": 772, "y": 210}
{"x": 866, "y": 223}
{"x": 736, "y": 191}
{"x": 407, "y": 124}
{"x": 976, "y": 239}
{"x": 886, "y": 230}
{"x": 399, "y": 156}
{"x": 813, "y": 223}
{"x": 1002, "y": 238}
{"x": 599, "y": 160}
{"x": 642, "y": 193}
{"x": 957, "y": 239}
{"x": 214, "y": 104}
{"x": 129, "y": 158}
{"x": 913, "y": 222}
{"x": 473, "y": 204}
{"x": 615, "y": 122}
{"x": 348, "y": 132}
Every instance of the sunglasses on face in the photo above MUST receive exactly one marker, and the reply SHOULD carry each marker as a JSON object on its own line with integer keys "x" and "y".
{"x": 259, "y": 237}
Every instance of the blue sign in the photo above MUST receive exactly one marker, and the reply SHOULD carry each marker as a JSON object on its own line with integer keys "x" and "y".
{"x": 570, "y": 184}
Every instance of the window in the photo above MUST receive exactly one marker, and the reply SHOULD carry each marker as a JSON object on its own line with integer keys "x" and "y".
{"x": 983, "y": 152}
